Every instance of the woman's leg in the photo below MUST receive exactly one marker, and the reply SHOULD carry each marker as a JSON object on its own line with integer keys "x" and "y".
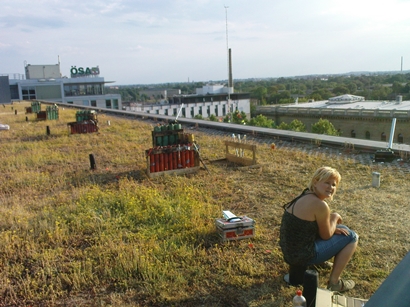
{"x": 340, "y": 261}
{"x": 327, "y": 249}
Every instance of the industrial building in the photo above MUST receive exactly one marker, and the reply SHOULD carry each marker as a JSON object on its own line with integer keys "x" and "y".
{"x": 84, "y": 87}
{"x": 352, "y": 116}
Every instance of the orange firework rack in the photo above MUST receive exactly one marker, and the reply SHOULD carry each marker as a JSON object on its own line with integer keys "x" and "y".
{"x": 86, "y": 122}
{"x": 173, "y": 152}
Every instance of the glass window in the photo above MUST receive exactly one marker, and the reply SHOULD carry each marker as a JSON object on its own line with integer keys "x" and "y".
{"x": 216, "y": 110}
{"x": 108, "y": 103}
{"x": 28, "y": 93}
{"x": 93, "y": 103}
{"x": 383, "y": 136}
{"x": 192, "y": 112}
{"x": 115, "y": 102}
{"x": 367, "y": 135}
{"x": 400, "y": 138}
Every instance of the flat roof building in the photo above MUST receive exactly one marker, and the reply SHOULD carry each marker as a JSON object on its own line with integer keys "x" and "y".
{"x": 45, "y": 82}
{"x": 352, "y": 116}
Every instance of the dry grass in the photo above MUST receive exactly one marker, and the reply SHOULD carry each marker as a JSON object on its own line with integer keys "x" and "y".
{"x": 112, "y": 237}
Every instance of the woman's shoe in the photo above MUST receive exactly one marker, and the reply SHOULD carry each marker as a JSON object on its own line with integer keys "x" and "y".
{"x": 342, "y": 285}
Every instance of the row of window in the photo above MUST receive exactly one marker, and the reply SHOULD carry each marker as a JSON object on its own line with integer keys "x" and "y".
{"x": 383, "y": 137}
{"x": 200, "y": 112}
{"x": 109, "y": 103}
{"x": 83, "y": 89}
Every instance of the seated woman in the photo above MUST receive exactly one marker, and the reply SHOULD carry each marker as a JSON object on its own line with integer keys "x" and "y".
{"x": 310, "y": 234}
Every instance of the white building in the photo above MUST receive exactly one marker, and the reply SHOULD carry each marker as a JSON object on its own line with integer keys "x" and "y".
{"x": 45, "y": 83}
{"x": 208, "y": 100}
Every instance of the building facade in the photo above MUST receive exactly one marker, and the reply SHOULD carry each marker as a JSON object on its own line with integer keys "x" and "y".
{"x": 44, "y": 82}
{"x": 210, "y": 100}
{"x": 355, "y": 118}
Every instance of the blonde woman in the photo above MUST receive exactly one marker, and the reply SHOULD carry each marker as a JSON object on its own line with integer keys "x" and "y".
{"x": 311, "y": 234}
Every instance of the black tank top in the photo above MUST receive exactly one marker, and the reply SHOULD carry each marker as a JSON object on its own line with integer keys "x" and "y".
{"x": 297, "y": 236}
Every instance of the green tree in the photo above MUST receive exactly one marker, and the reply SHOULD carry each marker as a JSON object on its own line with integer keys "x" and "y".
{"x": 323, "y": 126}
{"x": 239, "y": 118}
{"x": 213, "y": 118}
{"x": 297, "y": 125}
{"x": 260, "y": 94}
{"x": 283, "y": 126}
{"x": 340, "y": 90}
{"x": 262, "y": 121}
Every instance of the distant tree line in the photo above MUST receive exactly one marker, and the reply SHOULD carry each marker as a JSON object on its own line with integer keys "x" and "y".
{"x": 382, "y": 86}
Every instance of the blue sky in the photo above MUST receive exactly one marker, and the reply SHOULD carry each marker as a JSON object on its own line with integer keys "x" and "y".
{"x": 160, "y": 41}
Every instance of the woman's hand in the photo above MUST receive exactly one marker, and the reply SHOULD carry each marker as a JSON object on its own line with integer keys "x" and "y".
{"x": 341, "y": 231}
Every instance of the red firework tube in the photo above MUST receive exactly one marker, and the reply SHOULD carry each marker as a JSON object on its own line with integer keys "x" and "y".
{"x": 161, "y": 162}
{"x": 151, "y": 163}
{"x": 192, "y": 153}
{"x": 166, "y": 161}
{"x": 170, "y": 161}
{"x": 187, "y": 158}
{"x": 157, "y": 162}
{"x": 174, "y": 160}
{"x": 183, "y": 161}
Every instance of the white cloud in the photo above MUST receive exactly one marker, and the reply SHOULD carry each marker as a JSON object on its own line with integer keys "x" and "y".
{"x": 140, "y": 41}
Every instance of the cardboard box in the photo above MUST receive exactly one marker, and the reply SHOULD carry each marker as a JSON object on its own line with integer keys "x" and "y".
{"x": 326, "y": 298}
{"x": 235, "y": 229}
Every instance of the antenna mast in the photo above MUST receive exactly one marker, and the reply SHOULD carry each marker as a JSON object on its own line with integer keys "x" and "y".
{"x": 227, "y": 56}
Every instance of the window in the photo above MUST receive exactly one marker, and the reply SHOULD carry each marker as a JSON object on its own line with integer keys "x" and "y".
{"x": 367, "y": 135}
{"x": 224, "y": 110}
{"x": 93, "y": 103}
{"x": 115, "y": 102}
{"x": 353, "y": 134}
{"x": 216, "y": 110}
{"x": 200, "y": 110}
{"x": 108, "y": 104}
{"x": 383, "y": 136}
{"x": 81, "y": 89}
{"x": 183, "y": 112}
{"x": 166, "y": 111}
{"x": 192, "y": 112}
{"x": 28, "y": 93}
{"x": 400, "y": 138}
{"x": 175, "y": 111}
{"x": 208, "y": 111}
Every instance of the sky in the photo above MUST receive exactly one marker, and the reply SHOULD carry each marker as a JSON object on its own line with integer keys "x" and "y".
{"x": 167, "y": 41}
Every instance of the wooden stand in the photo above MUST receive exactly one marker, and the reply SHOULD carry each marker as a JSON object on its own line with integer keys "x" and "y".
{"x": 240, "y": 157}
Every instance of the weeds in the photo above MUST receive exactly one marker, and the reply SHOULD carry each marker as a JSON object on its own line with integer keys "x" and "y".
{"x": 111, "y": 236}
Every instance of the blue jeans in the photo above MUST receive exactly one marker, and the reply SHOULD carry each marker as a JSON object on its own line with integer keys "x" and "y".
{"x": 326, "y": 249}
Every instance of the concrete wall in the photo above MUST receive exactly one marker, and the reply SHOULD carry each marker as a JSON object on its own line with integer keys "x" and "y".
{"x": 5, "y": 94}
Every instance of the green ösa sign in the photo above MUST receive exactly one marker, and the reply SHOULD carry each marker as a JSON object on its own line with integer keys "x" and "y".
{"x": 80, "y": 71}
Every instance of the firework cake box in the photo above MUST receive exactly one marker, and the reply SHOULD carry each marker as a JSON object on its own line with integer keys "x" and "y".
{"x": 232, "y": 227}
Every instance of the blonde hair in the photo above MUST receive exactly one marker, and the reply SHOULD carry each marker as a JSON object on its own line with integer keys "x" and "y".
{"x": 322, "y": 174}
